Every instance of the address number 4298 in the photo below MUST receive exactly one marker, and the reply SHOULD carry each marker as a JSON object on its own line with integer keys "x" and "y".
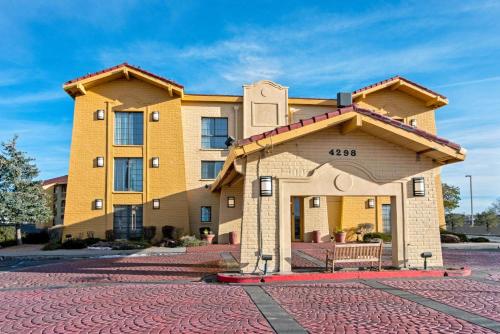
{"x": 342, "y": 153}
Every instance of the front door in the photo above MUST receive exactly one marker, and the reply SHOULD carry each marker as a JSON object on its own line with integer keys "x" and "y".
{"x": 127, "y": 221}
{"x": 297, "y": 208}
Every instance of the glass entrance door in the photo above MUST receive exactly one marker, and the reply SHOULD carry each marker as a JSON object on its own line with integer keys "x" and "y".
{"x": 127, "y": 221}
{"x": 296, "y": 207}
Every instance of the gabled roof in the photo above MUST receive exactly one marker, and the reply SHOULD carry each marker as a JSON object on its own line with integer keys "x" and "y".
{"x": 80, "y": 84}
{"x": 431, "y": 97}
{"x": 349, "y": 118}
{"x": 56, "y": 180}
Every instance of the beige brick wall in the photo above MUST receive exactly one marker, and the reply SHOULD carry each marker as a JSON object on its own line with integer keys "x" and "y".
{"x": 384, "y": 160}
{"x": 198, "y": 195}
{"x": 316, "y": 219}
{"x": 299, "y": 112}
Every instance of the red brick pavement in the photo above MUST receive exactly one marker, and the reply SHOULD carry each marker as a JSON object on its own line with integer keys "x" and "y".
{"x": 151, "y": 308}
{"x": 356, "y": 308}
{"x": 474, "y": 297}
{"x": 189, "y": 266}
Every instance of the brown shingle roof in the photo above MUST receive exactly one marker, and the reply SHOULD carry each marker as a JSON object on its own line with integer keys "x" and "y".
{"x": 397, "y": 77}
{"x": 344, "y": 110}
{"x": 59, "y": 180}
{"x": 125, "y": 65}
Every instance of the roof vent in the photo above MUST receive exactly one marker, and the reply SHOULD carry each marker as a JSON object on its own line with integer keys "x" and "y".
{"x": 344, "y": 99}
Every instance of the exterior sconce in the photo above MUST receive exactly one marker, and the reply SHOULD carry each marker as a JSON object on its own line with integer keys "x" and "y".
{"x": 231, "y": 202}
{"x": 266, "y": 186}
{"x": 316, "y": 202}
{"x": 371, "y": 203}
{"x": 155, "y": 162}
{"x": 155, "y": 116}
{"x": 413, "y": 123}
{"x": 100, "y": 161}
{"x": 98, "y": 204}
{"x": 418, "y": 187}
{"x": 156, "y": 204}
{"x": 100, "y": 114}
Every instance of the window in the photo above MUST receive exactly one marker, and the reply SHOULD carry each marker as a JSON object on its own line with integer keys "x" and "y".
{"x": 128, "y": 128}
{"x": 386, "y": 218}
{"x": 128, "y": 174}
{"x": 210, "y": 169}
{"x": 213, "y": 132}
{"x": 206, "y": 214}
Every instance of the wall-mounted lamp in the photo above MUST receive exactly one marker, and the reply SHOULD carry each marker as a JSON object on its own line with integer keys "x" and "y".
{"x": 100, "y": 161}
{"x": 413, "y": 122}
{"x": 100, "y": 114}
{"x": 418, "y": 187}
{"x": 155, "y": 162}
{"x": 231, "y": 202}
{"x": 316, "y": 201}
{"x": 266, "y": 186}
{"x": 98, "y": 204}
{"x": 155, "y": 116}
{"x": 371, "y": 203}
{"x": 156, "y": 204}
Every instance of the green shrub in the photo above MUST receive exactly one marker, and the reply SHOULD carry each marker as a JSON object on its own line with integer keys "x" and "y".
{"x": 377, "y": 235}
{"x": 41, "y": 237}
{"x": 463, "y": 237}
{"x": 479, "y": 239}
{"x": 74, "y": 244}
{"x": 190, "y": 241}
{"x": 7, "y": 236}
{"x": 91, "y": 240}
{"x": 450, "y": 239}
{"x": 51, "y": 246}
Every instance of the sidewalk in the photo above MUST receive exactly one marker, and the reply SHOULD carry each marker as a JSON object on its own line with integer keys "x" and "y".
{"x": 33, "y": 252}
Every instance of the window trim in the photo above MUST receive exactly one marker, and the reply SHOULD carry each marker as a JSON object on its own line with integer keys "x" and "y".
{"x": 210, "y": 214}
{"x": 115, "y": 128}
{"x": 214, "y": 136}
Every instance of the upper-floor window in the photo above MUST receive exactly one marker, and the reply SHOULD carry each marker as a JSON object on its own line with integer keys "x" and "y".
{"x": 128, "y": 174}
{"x": 213, "y": 132}
{"x": 129, "y": 128}
{"x": 210, "y": 169}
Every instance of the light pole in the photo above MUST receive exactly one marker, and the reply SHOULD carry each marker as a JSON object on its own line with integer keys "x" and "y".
{"x": 471, "y": 201}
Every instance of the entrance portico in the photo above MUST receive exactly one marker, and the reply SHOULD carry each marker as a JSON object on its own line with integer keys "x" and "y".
{"x": 347, "y": 153}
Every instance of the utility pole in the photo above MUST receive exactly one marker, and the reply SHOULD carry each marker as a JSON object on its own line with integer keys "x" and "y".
{"x": 471, "y": 201}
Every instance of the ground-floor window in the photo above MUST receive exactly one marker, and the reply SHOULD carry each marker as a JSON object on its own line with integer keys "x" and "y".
{"x": 386, "y": 218}
{"x": 206, "y": 214}
{"x": 127, "y": 221}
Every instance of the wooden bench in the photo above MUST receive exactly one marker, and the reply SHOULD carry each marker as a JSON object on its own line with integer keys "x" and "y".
{"x": 353, "y": 253}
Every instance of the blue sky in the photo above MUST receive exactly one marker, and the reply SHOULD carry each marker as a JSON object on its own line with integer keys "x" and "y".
{"x": 315, "y": 49}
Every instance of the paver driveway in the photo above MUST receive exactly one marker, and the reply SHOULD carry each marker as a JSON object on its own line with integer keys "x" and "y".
{"x": 167, "y": 294}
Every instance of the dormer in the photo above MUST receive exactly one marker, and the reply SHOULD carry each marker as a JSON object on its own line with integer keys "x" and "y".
{"x": 402, "y": 100}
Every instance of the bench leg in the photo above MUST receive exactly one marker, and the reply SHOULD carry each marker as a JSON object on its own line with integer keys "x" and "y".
{"x": 326, "y": 262}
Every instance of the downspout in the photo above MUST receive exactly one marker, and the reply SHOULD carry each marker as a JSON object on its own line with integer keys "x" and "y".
{"x": 236, "y": 107}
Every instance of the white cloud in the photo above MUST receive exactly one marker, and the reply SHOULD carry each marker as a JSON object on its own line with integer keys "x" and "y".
{"x": 37, "y": 97}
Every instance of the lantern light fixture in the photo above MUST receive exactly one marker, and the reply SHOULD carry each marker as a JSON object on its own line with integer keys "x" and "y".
{"x": 98, "y": 204}
{"x": 316, "y": 202}
{"x": 231, "y": 202}
{"x": 371, "y": 203}
{"x": 413, "y": 122}
{"x": 156, "y": 204}
{"x": 100, "y": 161}
{"x": 100, "y": 114}
{"x": 155, "y": 116}
{"x": 155, "y": 162}
{"x": 266, "y": 186}
{"x": 418, "y": 187}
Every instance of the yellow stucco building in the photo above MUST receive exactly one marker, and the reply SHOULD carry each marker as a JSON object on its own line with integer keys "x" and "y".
{"x": 146, "y": 153}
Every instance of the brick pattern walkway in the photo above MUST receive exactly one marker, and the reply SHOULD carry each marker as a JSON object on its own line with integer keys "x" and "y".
{"x": 474, "y": 297}
{"x": 151, "y": 308}
{"x": 190, "y": 267}
{"x": 356, "y": 308}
